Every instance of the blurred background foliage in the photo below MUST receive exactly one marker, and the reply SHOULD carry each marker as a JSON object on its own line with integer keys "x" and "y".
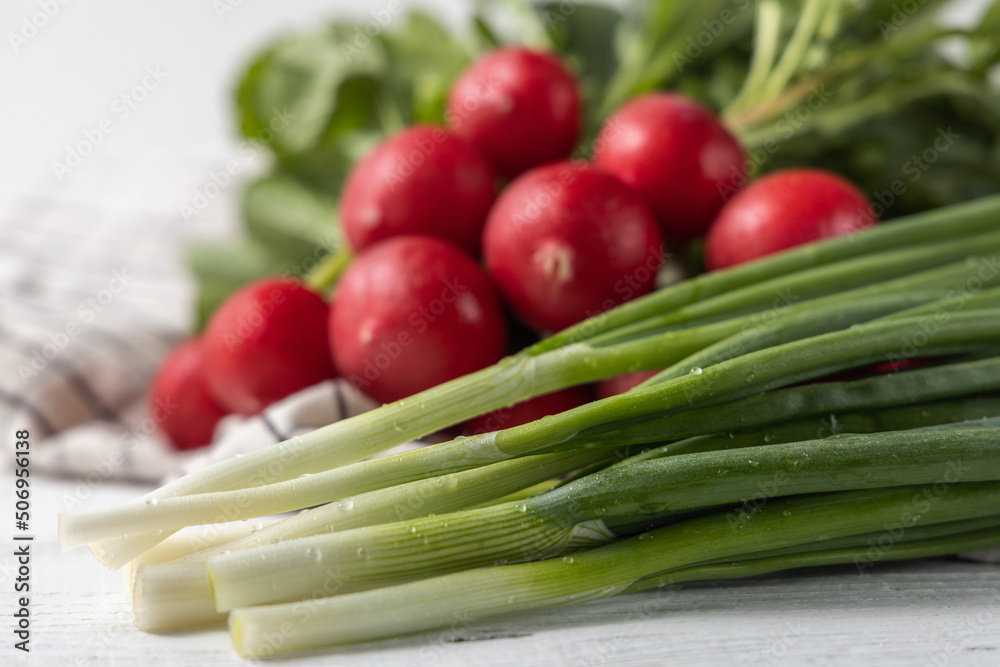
{"x": 861, "y": 87}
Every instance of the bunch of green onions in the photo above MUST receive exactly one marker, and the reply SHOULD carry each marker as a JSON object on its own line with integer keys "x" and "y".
{"x": 727, "y": 463}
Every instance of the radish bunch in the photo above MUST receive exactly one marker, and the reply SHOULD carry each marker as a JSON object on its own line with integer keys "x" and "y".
{"x": 466, "y": 232}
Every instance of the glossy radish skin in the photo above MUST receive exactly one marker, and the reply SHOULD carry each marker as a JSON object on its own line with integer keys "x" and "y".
{"x": 782, "y": 210}
{"x": 180, "y": 402}
{"x": 528, "y": 411}
{"x": 268, "y": 340}
{"x": 622, "y": 383}
{"x": 567, "y": 241}
{"x": 677, "y": 155}
{"x": 423, "y": 180}
{"x": 520, "y": 107}
{"x": 413, "y": 312}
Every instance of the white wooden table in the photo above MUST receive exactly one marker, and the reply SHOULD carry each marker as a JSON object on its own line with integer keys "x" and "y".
{"x": 942, "y": 612}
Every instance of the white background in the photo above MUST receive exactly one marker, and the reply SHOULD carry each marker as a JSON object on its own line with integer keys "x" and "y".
{"x": 65, "y": 78}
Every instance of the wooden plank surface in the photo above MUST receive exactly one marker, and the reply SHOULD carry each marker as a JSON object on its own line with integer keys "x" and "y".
{"x": 942, "y": 612}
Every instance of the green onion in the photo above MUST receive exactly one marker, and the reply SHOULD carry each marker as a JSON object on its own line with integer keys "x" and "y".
{"x": 187, "y": 542}
{"x": 976, "y": 410}
{"x": 555, "y": 522}
{"x": 918, "y": 542}
{"x": 942, "y": 267}
{"x": 930, "y": 227}
{"x": 782, "y": 405}
{"x": 597, "y": 573}
{"x": 174, "y": 594}
{"x": 177, "y": 594}
{"x": 158, "y": 600}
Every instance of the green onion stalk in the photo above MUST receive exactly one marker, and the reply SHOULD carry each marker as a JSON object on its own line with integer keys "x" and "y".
{"x": 591, "y": 509}
{"x": 175, "y": 594}
{"x": 618, "y": 567}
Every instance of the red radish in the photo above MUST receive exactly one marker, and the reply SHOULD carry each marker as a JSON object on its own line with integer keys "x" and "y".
{"x": 520, "y": 107}
{"x": 567, "y": 241}
{"x": 424, "y": 180}
{"x": 180, "y": 401}
{"x": 677, "y": 155}
{"x": 413, "y": 312}
{"x": 528, "y": 411}
{"x": 785, "y": 209}
{"x": 268, "y": 340}
{"x": 622, "y": 383}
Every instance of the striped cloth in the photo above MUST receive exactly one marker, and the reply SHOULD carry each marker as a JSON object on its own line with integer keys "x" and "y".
{"x": 93, "y": 293}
